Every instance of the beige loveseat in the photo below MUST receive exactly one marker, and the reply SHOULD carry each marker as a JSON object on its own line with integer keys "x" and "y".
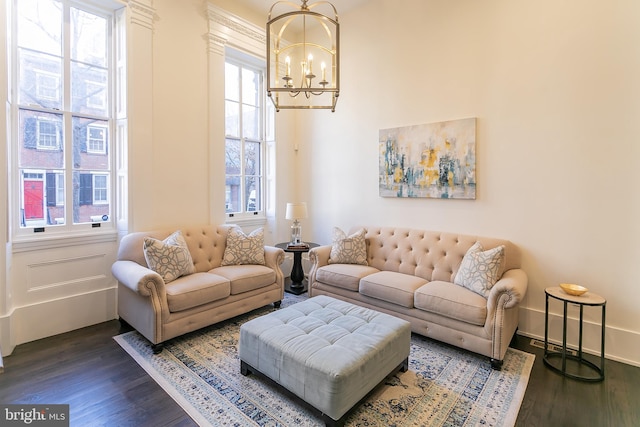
{"x": 211, "y": 293}
{"x": 410, "y": 274}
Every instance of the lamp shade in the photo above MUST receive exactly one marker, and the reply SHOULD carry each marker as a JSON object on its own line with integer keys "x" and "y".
{"x": 296, "y": 210}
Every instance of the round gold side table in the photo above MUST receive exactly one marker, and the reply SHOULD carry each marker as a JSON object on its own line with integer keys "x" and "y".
{"x": 583, "y": 369}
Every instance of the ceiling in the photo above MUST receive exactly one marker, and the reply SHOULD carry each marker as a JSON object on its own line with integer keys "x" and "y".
{"x": 263, "y": 6}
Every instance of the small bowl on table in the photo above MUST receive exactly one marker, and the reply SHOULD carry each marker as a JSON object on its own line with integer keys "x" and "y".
{"x": 573, "y": 289}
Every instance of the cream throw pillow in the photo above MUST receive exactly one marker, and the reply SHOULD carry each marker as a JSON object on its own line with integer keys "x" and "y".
{"x": 480, "y": 269}
{"x": 243, "y": 249}
{"x": 348, "y": 249}
{"x": 170, "y": 258}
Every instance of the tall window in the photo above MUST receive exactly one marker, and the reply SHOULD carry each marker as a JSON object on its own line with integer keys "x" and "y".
{"x": 62, "y": 115}
{"x": 246, "y": 116}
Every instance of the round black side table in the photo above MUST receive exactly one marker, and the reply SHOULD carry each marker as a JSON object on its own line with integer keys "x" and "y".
{"x": 296, "y": 283}
{"x": 581, "y": 368}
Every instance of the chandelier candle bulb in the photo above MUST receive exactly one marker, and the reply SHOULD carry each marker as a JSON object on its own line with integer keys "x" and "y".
{"x": 288, "y": 62}
{"x": 323, "y": 66}
{"x": 310, "y": 63}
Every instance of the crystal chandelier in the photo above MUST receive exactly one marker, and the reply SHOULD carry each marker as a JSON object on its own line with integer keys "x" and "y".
{"x": 298, "y": 42}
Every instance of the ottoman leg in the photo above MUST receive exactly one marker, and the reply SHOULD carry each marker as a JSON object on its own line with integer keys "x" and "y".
{"x": 330, "y": 422}
{"x": 245, "y": 369}
{"x": 404, "y": 366}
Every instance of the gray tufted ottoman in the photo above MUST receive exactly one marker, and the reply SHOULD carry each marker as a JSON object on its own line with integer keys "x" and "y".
{"x": 328, "y": 352}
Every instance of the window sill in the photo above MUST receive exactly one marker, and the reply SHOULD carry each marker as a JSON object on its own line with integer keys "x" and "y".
{"x": 26, "y": 244}
{"x": 246, "y": 221}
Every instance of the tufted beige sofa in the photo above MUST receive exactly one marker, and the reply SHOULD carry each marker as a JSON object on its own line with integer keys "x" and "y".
{"x": 213, "y": 293}
{"x": 410, "y": 274}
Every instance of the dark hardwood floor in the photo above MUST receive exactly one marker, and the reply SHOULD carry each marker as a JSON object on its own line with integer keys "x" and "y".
{"x": 89, "y": 371}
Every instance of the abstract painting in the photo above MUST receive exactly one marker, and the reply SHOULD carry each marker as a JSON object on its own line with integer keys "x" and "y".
{"x": 435, "y": 160}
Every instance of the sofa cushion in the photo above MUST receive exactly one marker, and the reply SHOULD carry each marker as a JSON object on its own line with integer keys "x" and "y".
{"x": 390, "y": 286}
{"x": 246, "y": 278}
{"x": 170, "y": 258}
{"x": 242, "y": 249}
{"x": 480, "y": 269}
{"x": 451, "y": 301}
{"x": 348, "y": 249}
{"x": 346, "y": 276}
{"x": 196, "y": 289}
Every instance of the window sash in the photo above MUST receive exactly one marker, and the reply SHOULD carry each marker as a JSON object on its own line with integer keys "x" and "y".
{"x": 245, "y": 144}
{"x": 59, "y": 96}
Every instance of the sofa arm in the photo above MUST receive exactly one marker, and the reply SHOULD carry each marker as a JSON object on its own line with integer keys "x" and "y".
{"x": 138, "y": 278}
{"x": 273, "y": 256}
{"x": 512, "y": 285}
{"x": 318, "y": 257}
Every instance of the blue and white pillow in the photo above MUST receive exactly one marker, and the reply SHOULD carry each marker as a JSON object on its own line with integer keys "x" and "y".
{"x": 170, "y": 258}
{"x": 480, "y": 269}
{"x": 242, "y": 249}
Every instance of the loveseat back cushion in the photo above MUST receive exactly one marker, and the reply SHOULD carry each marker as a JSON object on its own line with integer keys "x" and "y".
{"x": 453, "y": 301}
{"x": 245, "y": 278}
{"x": 196, "y": 289}
{"x": 206, "y": 245}
{"x": 396, "y": 288}
{"x": 346, "y": 276}
{"x": 432, "y": 255}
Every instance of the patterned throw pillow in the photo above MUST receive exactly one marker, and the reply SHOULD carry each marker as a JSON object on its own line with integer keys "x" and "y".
{"x": 480, "y": 269}
{"x": 243, "y": 249}
{"x": 348, "y": 249}
{"x": 170, "y": 258}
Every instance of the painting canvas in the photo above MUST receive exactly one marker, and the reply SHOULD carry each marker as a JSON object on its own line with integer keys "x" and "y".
{"x": 435, "y": 160}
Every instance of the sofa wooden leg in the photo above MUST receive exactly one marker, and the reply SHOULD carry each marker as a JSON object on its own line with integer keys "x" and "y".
{"x": 157, "y": 348}
{"x": 277, "y": 304}
{"x": 496, "y": 364}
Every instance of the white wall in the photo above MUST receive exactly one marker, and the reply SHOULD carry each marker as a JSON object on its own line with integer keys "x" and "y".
{"x": 554, "y": 87}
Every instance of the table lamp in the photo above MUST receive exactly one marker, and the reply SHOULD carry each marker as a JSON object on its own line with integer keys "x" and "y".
{"x": 296, "y": 212}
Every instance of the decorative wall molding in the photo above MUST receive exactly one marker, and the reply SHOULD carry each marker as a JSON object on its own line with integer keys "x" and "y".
{"x": 142, "y": 13}
{"x": 228, "y": 29}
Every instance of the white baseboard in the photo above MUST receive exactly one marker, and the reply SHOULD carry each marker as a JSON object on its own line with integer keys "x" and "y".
{"x": 48, "y": 318}
{"x": 620, "y": 345}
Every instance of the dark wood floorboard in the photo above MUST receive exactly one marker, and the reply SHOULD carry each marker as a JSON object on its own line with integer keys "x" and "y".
{"x": 106, "y": 387}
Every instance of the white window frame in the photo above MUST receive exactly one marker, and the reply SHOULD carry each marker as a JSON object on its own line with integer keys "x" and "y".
{"x": 95, "y": 189}
{"x": 40, "y": 136}
{"x": 24, "y": 237}
{"x": 102, "y": 149}
{"x": 99, "y": 100}
{"x": 42, "y": 89}
{"x": 245, "y": 61}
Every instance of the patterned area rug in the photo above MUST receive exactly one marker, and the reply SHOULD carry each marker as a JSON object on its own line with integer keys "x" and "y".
{"x": 444, "y": 386}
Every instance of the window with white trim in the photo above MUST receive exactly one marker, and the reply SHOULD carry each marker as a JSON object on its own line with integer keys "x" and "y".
{"x": 246, "y": 120}
{"x": 62, "y": 59}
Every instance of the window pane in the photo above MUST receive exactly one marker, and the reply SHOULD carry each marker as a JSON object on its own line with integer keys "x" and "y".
{"x": 88, "y": 38}
{"x": 252, "y": 186}
{"x": 250, "y": 122}
{"x": 41, "y": 140}
{"x": 232, "y": 118}
{"x": 252, "y": 158}
{"x": 41, "y": 198}
{"x": 90, "y": 144}
{"x": 40, "y": 79}
{"x": 233, "y": 156}
{"x": 250, "y": 87}
{"x": 88, "y": 89}
{"x": 233, "y": 199}
{"x": 90, "y": 197}
{"x": 40, "y": 26}
{"x": 232, "y": 82}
